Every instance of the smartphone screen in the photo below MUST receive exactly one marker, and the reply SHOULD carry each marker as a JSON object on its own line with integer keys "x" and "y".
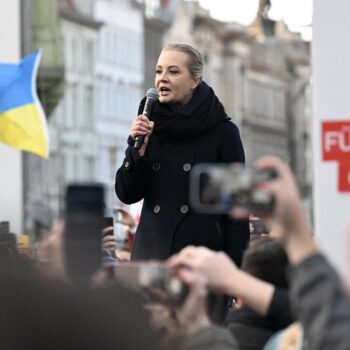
{"x": 83, "y": 228}
{"x": 108, "y": 222}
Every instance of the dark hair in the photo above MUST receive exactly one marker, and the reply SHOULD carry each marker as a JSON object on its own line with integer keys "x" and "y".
{"x": 196, "y": 60}
{"x": 266, "y": 259}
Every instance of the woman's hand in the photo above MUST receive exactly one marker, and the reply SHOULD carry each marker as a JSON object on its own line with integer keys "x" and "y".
{"x": 142, "y": 126}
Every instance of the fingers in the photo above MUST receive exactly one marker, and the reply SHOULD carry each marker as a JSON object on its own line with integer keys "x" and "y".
{"x": 141, "y": 126}
{"x": 109, "y": 246}
{"x": 283, "y": 171}
{"x": 195, "y": 280}
{"x": 106, "y": 230}
{"x": 190, "y": 256}
{"x": 108, "y": 238}
{"x": 109, "y": 243}
{"x": 120, "y": 209}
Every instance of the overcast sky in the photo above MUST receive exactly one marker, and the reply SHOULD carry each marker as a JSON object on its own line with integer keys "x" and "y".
{"x": 296, "y": 13}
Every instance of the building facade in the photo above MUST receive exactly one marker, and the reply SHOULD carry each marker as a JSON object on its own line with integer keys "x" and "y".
{"x": 72, "y": 127}
{"x": 261, "y": 74}
{"x": 119, "y": 68}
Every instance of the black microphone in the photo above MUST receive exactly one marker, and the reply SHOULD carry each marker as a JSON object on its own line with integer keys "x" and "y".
{"x": 151, "y": 97}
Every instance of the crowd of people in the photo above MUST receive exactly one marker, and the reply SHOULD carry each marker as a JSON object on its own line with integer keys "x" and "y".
{"x": 181, "y": 280}
{"x": 285, "y": 295}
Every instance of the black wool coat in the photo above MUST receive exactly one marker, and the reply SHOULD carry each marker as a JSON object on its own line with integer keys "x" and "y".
{"x": 161, "y": 178}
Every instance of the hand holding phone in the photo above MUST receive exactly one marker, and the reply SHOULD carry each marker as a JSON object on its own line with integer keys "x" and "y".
{"x": 108, "y": 226}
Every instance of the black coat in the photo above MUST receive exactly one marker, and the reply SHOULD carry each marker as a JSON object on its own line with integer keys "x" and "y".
{"x": 161, "y": 178}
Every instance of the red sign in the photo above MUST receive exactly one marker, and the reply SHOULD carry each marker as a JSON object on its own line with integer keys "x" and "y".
{"x": 336, "y": 147}
{"x": 336, "y": 140}
{"x": 344, "y": 177}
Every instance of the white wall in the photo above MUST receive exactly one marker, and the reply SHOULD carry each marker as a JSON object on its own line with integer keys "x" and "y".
{"x": 11, "y": 196}
{"x": 331, "y": 96}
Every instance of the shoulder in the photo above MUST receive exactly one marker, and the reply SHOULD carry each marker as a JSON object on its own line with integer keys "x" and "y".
{"x": 229, "y": 143}
{"x": 227, "y": 128}
{"x": 228, "y": 132}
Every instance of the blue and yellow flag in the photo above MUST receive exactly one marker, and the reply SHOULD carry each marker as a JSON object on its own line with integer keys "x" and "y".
{"x": 22, "y": 118}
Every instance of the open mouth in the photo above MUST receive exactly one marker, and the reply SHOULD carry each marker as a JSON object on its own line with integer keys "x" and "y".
{"x": 164, "y": 91}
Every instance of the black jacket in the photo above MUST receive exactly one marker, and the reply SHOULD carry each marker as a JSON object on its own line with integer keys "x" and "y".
{"x": 251, "y": 330}
{"x": 161, "y": 177}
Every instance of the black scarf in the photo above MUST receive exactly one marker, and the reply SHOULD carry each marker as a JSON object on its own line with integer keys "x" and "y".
{"x": 203, "y": 112}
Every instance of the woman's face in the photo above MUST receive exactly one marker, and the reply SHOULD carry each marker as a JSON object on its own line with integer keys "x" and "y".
{"x": 173, "y": 79}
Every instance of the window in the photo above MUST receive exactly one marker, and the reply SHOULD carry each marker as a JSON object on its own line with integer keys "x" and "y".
{"x": 74, "y": 53}
{"x": 90, "y": 168}
{"x": 89, "y": 107}
{"x": 75, "y": 101}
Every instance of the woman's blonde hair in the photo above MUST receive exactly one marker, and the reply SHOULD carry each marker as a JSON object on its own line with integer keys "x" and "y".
{"x": 196, "y": 60}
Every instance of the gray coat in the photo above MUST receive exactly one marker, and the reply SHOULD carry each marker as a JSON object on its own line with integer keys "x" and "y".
{"x": 320, "y": 303}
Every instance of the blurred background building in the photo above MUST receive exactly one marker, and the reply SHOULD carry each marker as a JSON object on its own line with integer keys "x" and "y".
{"x": 99, "y": 59}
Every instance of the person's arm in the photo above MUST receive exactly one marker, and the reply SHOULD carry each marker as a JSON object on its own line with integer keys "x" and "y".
{"x": 287, "y": 217}
{"x": 279, "y": 311}
{"x": 319, "y": 300}
{"x": 224, "y": 276}
{"x": 318, "y": 297}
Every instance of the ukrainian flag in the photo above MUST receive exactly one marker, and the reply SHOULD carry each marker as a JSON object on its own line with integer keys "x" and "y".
{"x": 22, "y": 118}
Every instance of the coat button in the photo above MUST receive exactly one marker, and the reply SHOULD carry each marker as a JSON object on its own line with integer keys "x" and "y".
{"x": 156, "y": 209}
{"x": 126, "y": 164}
{"x": 156, "y": 166}
{"x": 184, "y": 209}
{"x": 187, "y": 167}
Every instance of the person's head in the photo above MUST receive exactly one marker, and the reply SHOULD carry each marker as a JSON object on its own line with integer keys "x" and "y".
{"x": 178, "y": 73}
{"x": 266, "y": 259}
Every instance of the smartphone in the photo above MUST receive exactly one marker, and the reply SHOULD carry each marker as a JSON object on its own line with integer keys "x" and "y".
{"x": 258, "y": 227}
{"x": 108, "y": 221}
{"x": 218, "y": 188}
{"x": 83, "y": 229}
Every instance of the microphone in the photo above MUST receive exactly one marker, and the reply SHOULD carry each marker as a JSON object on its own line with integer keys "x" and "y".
{"x": 151, "y": 97}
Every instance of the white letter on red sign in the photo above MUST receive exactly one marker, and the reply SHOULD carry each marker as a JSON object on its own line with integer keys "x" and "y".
{"x": 331, "y": 138}
{"x": 344, "y": 142}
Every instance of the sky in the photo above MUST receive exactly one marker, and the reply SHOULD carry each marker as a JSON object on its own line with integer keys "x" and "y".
{"x": 296, "y": 13}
